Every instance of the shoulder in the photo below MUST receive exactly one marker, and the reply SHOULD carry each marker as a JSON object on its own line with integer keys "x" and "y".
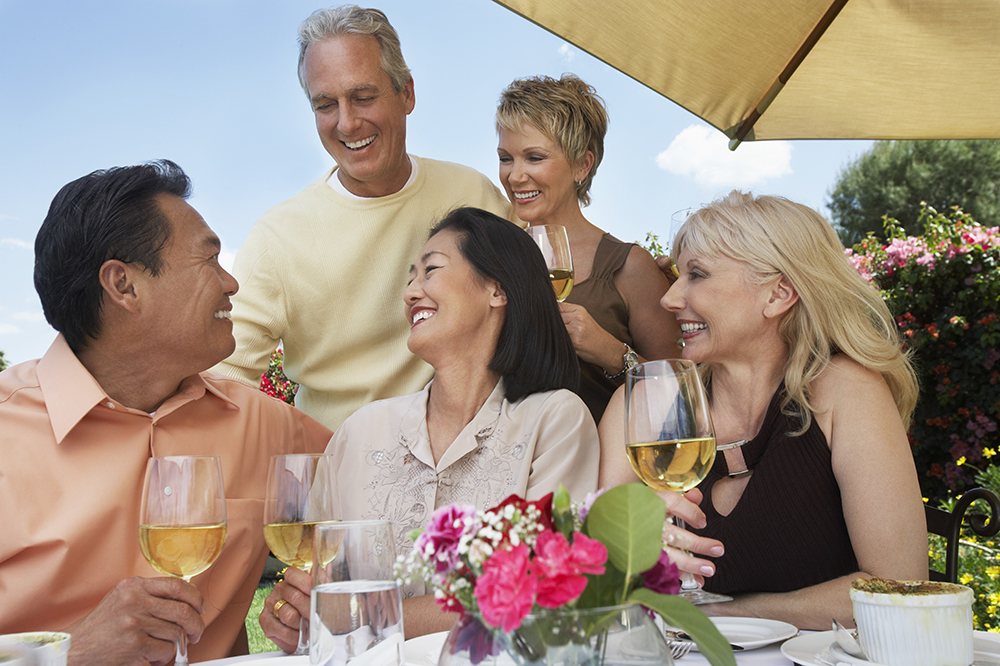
{"x": 441, "y": 169}
{"x": 844, "y": 379}
{"x": 640, "y": 265}
{"x": 556, "y": 409}
{"x": 463, "y": 186}
{"x": 15, "y": 380}
{"x": 301, "y": 203}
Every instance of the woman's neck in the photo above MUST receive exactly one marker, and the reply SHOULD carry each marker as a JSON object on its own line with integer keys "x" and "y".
{"x": 741, "y": 394}
{"x": 456, "y": 396}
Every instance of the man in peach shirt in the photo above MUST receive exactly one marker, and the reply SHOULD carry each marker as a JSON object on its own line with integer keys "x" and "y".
{"x": 128, "y": 273}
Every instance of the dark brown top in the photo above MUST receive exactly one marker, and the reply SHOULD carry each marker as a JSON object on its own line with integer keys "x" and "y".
{"x": 598, "y": 294}
{"x": 787, "y": 531}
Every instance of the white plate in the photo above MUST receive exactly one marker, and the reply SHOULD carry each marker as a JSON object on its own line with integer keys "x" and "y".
{"x": 752, "y": 632}
{"x": 424, "y": 650}
{"x": 264, "y": 659}
{"x": 805, "y": 648}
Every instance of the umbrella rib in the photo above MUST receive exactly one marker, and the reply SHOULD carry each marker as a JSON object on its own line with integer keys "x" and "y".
{"x": 807, "y": 46}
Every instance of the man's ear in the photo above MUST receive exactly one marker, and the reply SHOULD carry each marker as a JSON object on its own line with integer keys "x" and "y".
{"x": 781, "y": 298}
{"x": 118, "y": 281}
{"x": 498, "y": 298}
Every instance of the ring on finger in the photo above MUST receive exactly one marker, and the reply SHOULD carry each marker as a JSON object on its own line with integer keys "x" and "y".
{"x": 277, "y": 606}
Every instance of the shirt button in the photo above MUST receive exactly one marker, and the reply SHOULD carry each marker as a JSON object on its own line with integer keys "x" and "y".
{"x": 110, "y": 405}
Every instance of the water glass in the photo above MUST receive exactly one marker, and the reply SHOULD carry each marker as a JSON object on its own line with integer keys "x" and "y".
{"x": 356, "y": 612}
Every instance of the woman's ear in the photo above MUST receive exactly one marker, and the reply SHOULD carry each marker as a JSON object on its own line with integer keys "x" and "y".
{"x": 583, "y": 170}
{"x": 117, "y": 280}
{"x": 498, "y": 298}
{"x": 781, "y": 298}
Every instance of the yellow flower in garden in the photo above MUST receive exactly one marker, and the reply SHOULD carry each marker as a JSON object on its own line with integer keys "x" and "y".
{"x": 993, "y": 572}
{"x": 960, "y": 461}
{"x": 965, "y": 579}
{"x": 994, "y": 598}
{"x": 988, "y": 452}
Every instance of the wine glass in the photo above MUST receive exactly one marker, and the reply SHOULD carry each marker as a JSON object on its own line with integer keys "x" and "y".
{"x": 182, "y": 519}
{"x": 669, "y": 436}
{"x": 553, "y": 241}
{"x": 301, "y": 494}
{"x": 356, "y": 603}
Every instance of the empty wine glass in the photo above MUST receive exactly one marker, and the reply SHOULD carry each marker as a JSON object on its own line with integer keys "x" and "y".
{"x": 301, "y": 494}
{"x": 669, "y": 436}
{"x": 553, "y": 241}
{"x": 182, "y": 519}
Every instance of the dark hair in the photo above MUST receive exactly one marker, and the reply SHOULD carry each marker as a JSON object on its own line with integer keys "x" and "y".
{"x": 534, "y": 352}
{"x": 108, "y": 214}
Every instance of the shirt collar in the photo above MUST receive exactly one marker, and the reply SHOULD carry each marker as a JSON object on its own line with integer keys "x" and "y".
{"x": 70, "y": 391}
{"x": 475, "y": 432}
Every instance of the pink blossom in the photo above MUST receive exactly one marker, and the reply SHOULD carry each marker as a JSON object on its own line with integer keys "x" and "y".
{"x": 663, "y": 577}
{"x": 440, "y": 539}
{"x": 588, "y": 502}
{"x": 506, "y": 591}
{"x": 560, "y": 567}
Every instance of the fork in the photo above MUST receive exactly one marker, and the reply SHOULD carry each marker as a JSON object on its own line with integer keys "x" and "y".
{"x": 679, "y": 648}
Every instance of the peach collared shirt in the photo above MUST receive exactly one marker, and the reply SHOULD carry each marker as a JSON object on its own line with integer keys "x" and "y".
{"x": 72, "y": 462}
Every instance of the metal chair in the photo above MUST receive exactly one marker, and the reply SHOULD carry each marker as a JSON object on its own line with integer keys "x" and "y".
{"x": 949, "y": 526}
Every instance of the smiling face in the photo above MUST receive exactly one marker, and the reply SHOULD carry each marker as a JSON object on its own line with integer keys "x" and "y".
{"x": 537, "y": 176}
{"x": 187, "y": 306}
{"x": 720, "y": 310}
{"x": 450, "y": 307}
{"x": 360, "y": 119}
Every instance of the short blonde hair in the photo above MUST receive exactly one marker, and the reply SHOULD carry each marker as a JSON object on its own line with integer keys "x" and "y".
{"x": 838, "y": 311}
{"x": 567, "y": 111}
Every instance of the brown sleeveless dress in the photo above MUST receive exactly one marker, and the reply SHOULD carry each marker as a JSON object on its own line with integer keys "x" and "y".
{"x": 598, "y": 294}
{"x": 788, "y": 530}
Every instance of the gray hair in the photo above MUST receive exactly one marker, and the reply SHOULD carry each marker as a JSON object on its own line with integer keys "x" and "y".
{"x": 324, "y": 24}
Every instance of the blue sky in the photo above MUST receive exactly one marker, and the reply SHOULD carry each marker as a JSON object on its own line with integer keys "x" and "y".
{"x": 211, "y": 84}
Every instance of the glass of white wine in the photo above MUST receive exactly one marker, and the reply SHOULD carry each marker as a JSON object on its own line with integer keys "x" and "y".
{"x": 356, "y": 602}
{"x": 301, "y": 494}
{"x": 669, "y": 436}
{"x": 182, "y": 519}
{"x": 553, "y": 241}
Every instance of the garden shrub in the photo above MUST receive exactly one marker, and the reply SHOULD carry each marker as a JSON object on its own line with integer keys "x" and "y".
{"x": 274, "y": 383}
{"x": 944, "y": 290}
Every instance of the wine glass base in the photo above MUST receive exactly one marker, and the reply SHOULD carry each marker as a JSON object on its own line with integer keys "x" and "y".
{"x": 699, "y": 596}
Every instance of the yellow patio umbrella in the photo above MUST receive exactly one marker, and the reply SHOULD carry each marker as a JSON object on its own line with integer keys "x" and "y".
{"x": 801, "y": 69}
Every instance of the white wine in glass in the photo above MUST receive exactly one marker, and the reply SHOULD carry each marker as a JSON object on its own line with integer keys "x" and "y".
{"x": 669, "y": 437}
{"x": 553, "y": 241}
{"x": 182, "y": 519}
{"x": 301, "y": 495}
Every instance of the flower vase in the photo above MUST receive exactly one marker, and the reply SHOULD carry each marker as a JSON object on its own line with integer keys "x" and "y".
{"x": 609, "y": 636}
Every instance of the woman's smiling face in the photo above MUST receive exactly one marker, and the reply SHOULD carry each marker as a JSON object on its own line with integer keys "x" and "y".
{"x": 447, "y": 303}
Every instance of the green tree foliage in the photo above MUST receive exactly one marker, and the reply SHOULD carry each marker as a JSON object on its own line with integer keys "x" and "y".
{"x": 893, "y": 178}
{"x": 3, "y": 362}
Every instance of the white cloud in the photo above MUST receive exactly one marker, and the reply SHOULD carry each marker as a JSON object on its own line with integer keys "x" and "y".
{"x": 9, "y": 329}
{"x": 567, "y": 52}
{"x": 702, "y": 153}
{"x": 16, "y": 242}
{"x": 28, "y": 316}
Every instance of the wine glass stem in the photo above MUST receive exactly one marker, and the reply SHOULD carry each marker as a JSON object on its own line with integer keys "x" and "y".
{"x": 182, "y": 651}
{"x": 687, "y": 579}
{"x": 303, "y": 646}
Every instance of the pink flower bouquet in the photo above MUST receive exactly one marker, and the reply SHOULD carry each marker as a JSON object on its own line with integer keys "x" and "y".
{"x": 522, "y": 558}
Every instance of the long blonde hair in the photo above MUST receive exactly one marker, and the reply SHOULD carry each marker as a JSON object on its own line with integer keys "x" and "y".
{"x": 837, "y": 311}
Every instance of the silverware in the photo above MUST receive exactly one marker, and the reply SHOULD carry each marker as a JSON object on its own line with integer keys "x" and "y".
{"x": 684, "y": 637}
{"x": 846, "y": 641}
{"x": 679, "y": 648}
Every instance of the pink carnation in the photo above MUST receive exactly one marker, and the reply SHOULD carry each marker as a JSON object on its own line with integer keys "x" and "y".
{"x": 560, "y": 567}
{"x": 446, "y": 527}
{"x": 506, "y": 591}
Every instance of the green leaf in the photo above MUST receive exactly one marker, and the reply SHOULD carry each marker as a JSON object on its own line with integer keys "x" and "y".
{"x": 628, "y": 520}
{"x": 604, "y": 589}
{"x": 562, "y": 512}
{"x": 681, "y": 613}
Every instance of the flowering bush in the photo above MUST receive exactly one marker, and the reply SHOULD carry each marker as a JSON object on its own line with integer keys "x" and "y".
{"x": 274, "y": 383}
{"x": 944, "y": 290}
{"x": 519, "y": 557}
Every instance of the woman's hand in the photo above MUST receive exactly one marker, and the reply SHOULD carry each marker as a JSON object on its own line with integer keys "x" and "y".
{"x": 683, "y": 546}
{"x": 291, "y": 598}
{"x": 593, "y": 344}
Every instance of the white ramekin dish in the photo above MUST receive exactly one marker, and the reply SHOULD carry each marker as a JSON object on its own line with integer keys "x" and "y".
{"x": 913, "y": 623}
{"x": 46, "y": 648}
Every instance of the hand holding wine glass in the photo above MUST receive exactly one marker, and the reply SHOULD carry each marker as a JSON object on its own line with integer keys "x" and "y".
{"x": 182, "y": 519}
{"x": 301, "y": 494}
{"x": 669, "y": 436}
{"x": 553, "y": 241}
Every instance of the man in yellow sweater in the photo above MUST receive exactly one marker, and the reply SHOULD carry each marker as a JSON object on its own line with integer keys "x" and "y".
{"x": 324, "y": 272}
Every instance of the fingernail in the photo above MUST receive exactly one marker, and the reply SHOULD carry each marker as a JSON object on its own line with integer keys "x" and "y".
{"x": 708, "y": 570}
{"x": 717, "y": 551}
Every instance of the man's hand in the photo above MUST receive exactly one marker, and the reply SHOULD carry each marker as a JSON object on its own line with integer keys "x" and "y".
{"x": 283, "y": 627}
{"x": 138, "y": 621}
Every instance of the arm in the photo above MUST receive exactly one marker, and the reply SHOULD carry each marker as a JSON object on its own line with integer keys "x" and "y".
{"x": 566, "y": 448}
{"x": 880, "y": 496}
{"x": 138, "y": 621}
{"x": 258, "y": 310}
{"x": 616, "y": 470}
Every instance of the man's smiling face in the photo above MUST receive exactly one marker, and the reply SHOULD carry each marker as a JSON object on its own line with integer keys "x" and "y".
{"x": 361, "y": 120}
